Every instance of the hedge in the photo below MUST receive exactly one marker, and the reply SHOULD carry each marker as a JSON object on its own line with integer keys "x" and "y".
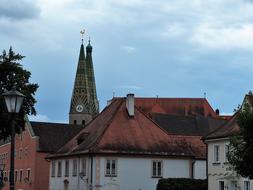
{"x": 181, "y": 184}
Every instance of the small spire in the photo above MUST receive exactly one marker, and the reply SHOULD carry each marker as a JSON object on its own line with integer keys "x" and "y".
{"x": 82, "y": 34}
{"x": 89, "y": 47}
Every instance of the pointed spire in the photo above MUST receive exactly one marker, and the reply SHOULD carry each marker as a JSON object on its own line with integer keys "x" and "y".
{"x": 84, "y": 103}
{"x": 81, "y": 54}
{"x": 94, "y": 105}
{"x": 89, "y": 47}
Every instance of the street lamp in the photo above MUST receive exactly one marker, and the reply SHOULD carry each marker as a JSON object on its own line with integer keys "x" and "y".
{"x": 13, "y": 100}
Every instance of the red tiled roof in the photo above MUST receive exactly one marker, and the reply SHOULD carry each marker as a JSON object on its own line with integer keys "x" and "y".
{"x": 230, "y": 128}
{"x": 113, "y": 131}
{"x": 52, "y": 136}
{"x": 177, "y": 106}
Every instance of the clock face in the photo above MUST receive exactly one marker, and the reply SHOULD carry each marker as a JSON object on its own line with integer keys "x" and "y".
{"x": 79, "y": 108}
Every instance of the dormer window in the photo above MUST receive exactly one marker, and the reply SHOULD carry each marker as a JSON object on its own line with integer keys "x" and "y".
{"x": 82, "y": 137}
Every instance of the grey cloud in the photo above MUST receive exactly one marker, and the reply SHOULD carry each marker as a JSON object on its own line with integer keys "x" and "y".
{"x": 18, "y": 10}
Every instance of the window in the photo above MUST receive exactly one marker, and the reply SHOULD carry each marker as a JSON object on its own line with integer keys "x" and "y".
{"x": 111, "y": 167}
{"x": 83, "y": 170}
{"x": 233, "y": 185}
{"x": 28, "y": 176}
{"x": 53, "y": 169}
{"x": 59, "y": 169}
{"x": 20, "y": 153}
{"x": 216, "y": 153}
{"x": 5, "y": 174}
{"x": 20, "y": 176}
{"x": 74, "y": 121}
{"x": 221, "y": 185}
{"x": 156, "y": 168}
{"x": 74, "y": 167}
{"x": 66, "y": 168}
{"x": 26, "y": 151}
{"x": 16, "y": 176}
{"x": 83, "y": 122}
{"x": 246, "y": 185}
{"x": 226, "y": 152}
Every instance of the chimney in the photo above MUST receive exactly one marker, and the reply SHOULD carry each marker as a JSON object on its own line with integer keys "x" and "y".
{"x": 109, "y": 102}
{"x": 217, "y": 111}
{"x": 130, "y": 104}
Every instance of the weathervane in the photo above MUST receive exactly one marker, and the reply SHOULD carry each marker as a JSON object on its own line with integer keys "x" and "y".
{"x": 82, "y": 33}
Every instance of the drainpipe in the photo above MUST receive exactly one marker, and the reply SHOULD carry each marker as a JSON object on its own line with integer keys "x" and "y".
{"x": 78, "y": 171}
{"x": 207, "y": 164}
{"x": 192, "y": 174}
{"x": 91, "y": 171}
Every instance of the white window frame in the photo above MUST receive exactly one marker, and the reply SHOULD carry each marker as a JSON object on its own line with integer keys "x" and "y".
{"x": 109, "y": 172}
{"x": 30, "y": 176}
{"x": 215, "y": 156}
{"x": 16, "y": 176}
{"x": 226, "y": 151}
{"x": 74, "y": 171}
{"x": 156, "y": 173}
{"x": 246, "y": 187}
{"x": 83, "y": 166}
{"x": 233, "y": 185}
{"x": 220, "y": 185}
{"x": 21, "y": 176}
{"x": 66, "y": 168}
{"x": 59, "y": 168}
{"x": 53, "y": 168}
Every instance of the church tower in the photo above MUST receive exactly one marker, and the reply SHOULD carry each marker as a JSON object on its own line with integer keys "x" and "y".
{"x": 84, "y": 103}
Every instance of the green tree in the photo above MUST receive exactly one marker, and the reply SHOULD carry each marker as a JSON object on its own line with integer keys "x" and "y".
{"x": 13, "y": 74}
{"x": 241, "y": 144}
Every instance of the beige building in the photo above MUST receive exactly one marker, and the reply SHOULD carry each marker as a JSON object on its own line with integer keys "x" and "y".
{"x": 221, "y": 175}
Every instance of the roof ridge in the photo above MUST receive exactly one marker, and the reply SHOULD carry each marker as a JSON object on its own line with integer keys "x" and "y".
{"x": 151, "y": 120}
{"x": 107, "y": 125}
{"x": 208, "y": 104}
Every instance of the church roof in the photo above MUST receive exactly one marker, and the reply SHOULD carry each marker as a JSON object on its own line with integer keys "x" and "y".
{"x": 176, "y": 106}
{"x": 113, "y": 131}
{"x": 52, "y": 136}
{"x": 192, "y": 125}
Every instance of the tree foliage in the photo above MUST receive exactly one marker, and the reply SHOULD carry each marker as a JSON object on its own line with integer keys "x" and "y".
{"x": 241, "y": 144}
{"x": 12, "y": 74}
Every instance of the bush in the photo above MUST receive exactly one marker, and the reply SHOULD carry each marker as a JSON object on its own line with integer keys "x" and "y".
{"x": 181, "y": 184}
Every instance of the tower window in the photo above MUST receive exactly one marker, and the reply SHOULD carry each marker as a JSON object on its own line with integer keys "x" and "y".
{"x": 74, "y": 121}
{"x": 83, "y": 122}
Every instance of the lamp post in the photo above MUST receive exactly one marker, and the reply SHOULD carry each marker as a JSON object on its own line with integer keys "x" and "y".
{"x": 13, "y": 100}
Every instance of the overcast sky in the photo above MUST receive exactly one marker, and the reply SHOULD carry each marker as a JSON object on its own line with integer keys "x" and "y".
{"x": 173, "y": 48}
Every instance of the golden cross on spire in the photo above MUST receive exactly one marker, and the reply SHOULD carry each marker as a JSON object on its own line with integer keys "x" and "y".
{"x": 82, "y": 34}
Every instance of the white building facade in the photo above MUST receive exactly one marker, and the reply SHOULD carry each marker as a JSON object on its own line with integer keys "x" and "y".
{"x": 221, "y": 175}
{"x": 120, "y": 173}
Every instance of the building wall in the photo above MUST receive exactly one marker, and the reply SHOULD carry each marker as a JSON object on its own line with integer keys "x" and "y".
{"x": 57, "y": 182}
{"x": 132, "y": 173}
{"x": 199, "y": 169}
{"x": 41, "y": 171}
{"x": 25, "y": 159}
{"x": 222, "y": 170}
{"x": 136, "y": 173}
